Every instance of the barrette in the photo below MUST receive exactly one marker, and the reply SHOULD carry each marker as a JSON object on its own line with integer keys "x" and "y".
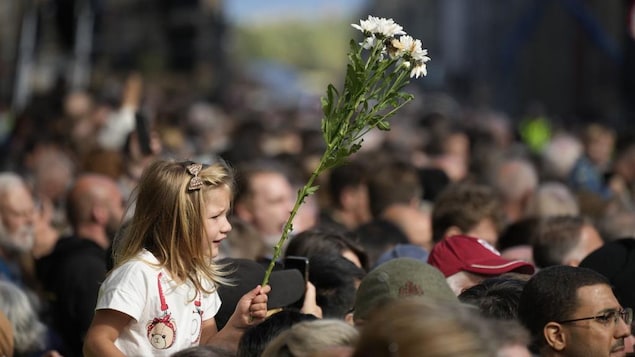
{"x": 195, "y": 182}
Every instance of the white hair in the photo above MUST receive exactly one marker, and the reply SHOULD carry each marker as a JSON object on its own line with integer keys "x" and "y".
{"x": 309, "y": 337}
{"x": 29, "y": 332}
{"x": 8, "y": 181}
{"x": 22, "y": 240}
{"x": 553, "y": 199}
{"x": 515, "y": 178}
{"x": 560, "y": 154}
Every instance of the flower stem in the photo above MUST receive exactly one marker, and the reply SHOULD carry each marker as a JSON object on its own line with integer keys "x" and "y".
{"x": 288, "y": 226}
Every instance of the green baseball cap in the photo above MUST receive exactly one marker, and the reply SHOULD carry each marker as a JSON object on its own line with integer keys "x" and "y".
{"x": 400, "y": 278}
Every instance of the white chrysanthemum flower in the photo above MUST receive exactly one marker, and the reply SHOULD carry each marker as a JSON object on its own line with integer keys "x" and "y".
{"x": 406, "y": 43}
{"x": 394, "y": 48}
{"x": 385, "y": 28}
{"x": 420, "y": 55}
{"x": 368, "y": 42}
{"x": 413, "y": 50}
{"x": 388, "y": 28}
{"x": 419, "y": 70}
{"x": 366, "y": 26}
{"x": 409, "y": 45}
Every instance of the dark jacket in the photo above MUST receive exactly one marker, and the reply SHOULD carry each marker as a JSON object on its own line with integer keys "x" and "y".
{"x": 71, "y": 276}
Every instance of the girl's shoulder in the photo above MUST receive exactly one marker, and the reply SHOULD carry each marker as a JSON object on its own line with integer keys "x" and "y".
{"x": 144, "y": 264}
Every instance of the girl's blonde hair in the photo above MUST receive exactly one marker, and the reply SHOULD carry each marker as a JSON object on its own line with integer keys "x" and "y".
{"x": 169, "y": 218}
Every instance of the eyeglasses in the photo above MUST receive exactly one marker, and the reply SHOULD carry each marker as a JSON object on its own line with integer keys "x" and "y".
{"x": 610, "y": 316}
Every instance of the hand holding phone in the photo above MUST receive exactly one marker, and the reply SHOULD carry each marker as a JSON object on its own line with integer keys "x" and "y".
{"x": 301, "y": 264}
{"x": 309, "y": 302}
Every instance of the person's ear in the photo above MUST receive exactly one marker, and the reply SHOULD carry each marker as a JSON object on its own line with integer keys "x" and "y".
{"x": 348, "y": 318}
{"x": 452, "y": 231}
{"x": 415, "y": 202}
{"x": 555, "y": 336}
{"x": 99, "y": 213}
{"x": 243, "y": 212}
{"x": 572, "y": 259}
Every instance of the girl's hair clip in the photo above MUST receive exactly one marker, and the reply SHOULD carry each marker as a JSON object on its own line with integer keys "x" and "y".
{"x": 195, "y": 182}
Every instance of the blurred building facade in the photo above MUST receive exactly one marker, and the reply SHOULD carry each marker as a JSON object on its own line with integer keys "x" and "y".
{"x": 568, "y": 56}
{"x": 574, "y": 58}
{"x": 44, "y": 41}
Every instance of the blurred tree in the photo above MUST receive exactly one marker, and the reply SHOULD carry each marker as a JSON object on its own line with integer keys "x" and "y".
{"x": 305, "y": 46}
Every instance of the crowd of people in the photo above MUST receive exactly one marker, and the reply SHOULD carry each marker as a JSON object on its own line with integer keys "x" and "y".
{"x": 139, "y": 220}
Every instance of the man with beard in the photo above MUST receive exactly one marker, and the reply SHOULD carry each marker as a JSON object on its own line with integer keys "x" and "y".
{"x": 71, "y": 274}
{"x": 17, "y": 219}
{"x": 572, "y": 312}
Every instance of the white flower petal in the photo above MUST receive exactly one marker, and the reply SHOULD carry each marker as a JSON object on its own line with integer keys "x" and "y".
{"x": 418, "y": 71}
{"x": 379, "y": 26}
{"x": 368, "y": 43}
{"x": 388, "y": 28}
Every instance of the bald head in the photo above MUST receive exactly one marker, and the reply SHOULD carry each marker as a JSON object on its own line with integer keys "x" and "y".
{"x": 9, "y": 181}
{"x": 90, "y": 192}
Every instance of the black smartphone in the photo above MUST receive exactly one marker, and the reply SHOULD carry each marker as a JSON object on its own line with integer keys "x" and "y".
{"x": 142, "y": 128}
{"x": 301, "y": 264}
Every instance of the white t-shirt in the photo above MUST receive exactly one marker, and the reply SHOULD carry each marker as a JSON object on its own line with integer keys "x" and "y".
{"x": 166, "y": 317}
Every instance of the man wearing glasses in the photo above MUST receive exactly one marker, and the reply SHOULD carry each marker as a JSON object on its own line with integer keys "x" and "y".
{"x": 573, "y": 312}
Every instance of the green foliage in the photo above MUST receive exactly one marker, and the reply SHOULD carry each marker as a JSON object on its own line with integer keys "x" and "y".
{"x": 306, "y": 46}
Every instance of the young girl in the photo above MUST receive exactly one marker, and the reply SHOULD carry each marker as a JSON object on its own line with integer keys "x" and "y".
{"x": 160, "y": 297}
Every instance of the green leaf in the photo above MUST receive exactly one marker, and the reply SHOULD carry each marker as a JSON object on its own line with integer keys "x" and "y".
{"x": 383, "y": 125}
{"x": 354, "y": 148}
{"x": 354, "y": 47}
{"x": 331, "y": 94}
{"x": 406, "y": 96}
{"x": 311, "y": 190}
{"x": 354, "y": 79}
{"x": 326, "y": 105}
{"x": 325, "y": 128}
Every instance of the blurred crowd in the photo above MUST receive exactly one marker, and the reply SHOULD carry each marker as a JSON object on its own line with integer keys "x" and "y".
{"x": 463, "y": 206}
